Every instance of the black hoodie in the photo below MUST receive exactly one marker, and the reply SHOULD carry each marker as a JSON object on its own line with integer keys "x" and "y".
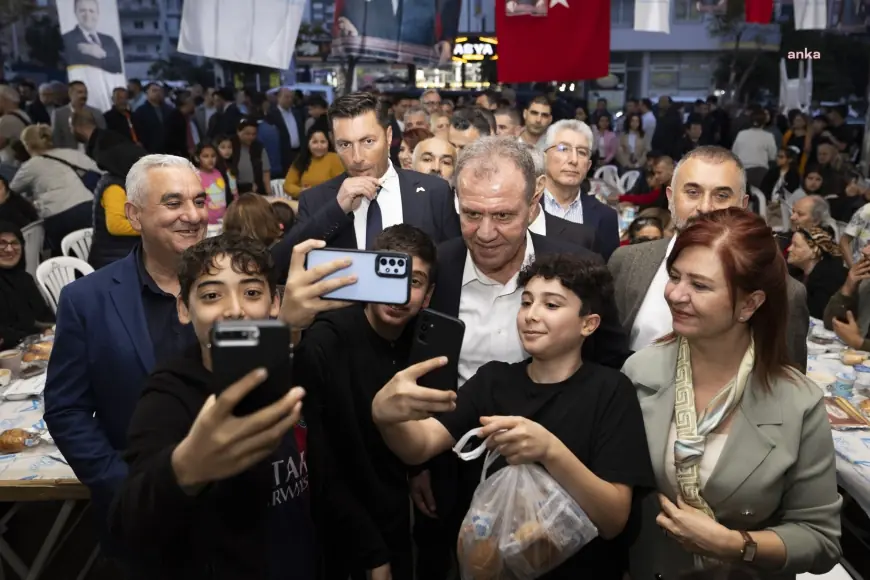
{"x": 223, "y": 532}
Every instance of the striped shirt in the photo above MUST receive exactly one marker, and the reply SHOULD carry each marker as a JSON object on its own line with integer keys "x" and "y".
{"x": 573, "y": 213}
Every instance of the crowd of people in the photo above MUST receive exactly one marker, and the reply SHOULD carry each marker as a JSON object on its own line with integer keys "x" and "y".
{"x": 656, "y": 374}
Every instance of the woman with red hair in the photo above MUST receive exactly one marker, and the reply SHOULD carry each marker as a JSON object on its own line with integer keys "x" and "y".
{"x": 410, "y": 138}
{"x": 739, "y": 441}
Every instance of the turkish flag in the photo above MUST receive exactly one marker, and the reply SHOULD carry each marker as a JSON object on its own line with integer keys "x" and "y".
{"x": 759, "y": 11}
{"x": 570, "y": 43}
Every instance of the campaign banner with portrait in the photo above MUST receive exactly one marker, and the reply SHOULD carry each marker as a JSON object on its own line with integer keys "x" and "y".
{"x": 92, "y": 47}
{"x": 417, "y": 32}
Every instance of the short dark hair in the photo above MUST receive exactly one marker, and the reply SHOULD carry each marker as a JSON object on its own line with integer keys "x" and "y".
{"x": 647, "y": 103}
{"x": 116, "y": 89}
{"x": 490, "y": 95}
{"x": 539, "y": 100}
{"x": 75, "y": 84}
{"x": 591, "y": 281}
{"x": 317, "y": 101}
{"x": 512, "y": 113}
{"x": 247, "y": 256}
{"x": 410, "y": 240}
{"x": 356, "y": 104}
{"x": 462, "y": 119}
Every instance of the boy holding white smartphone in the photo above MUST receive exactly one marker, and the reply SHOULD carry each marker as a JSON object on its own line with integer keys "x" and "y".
{"x": 212, "y": 494}
{"x": 346, "y": 356}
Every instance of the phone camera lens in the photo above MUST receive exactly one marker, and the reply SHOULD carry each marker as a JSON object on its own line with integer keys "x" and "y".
{"x": 392, "y": 262}
{"x": 401, "y": 263}
{"x": 383, "y": 261}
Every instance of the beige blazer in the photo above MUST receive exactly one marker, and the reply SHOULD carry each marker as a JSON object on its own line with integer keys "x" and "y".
{"x": 634, "y": 267}
{"x": 623, "y": 152}
{"x": 776, "y": 472}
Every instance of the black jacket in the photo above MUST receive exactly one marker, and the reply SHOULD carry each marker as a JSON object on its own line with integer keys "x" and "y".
{"x": 427, "y": 203}
{"x": 116, "y": 121}
{"x": 256, "y": 153}
{"x": 288, "y": 153}
{"x": 221, "y": 533}
{"x": 151, "y": 128}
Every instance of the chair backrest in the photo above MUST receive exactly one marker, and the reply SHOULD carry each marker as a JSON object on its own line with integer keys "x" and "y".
{"x": 78, "y": 243}
{"x": 609, "y": 174}
{"x": 762, "y": 201}
{"x": 278, "y": 188}
{"x": 34, "y": 237}
{"x": 55, "y": 273}
{"x": 629, "y": 178}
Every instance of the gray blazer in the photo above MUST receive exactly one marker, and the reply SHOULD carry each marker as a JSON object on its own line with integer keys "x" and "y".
{"x": 634, "y": 267}
{"x": 61, "y": 133}
{"x": 777, "y": 470}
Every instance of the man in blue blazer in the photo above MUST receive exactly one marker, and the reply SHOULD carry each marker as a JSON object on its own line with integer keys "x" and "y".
{"x": 115, "y": 324}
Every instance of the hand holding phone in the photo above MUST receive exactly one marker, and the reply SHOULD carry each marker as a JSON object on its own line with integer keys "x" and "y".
{"x": 438, "y": 335}
{"x": 305, "y": 288}
{"x": 221, "y": 445}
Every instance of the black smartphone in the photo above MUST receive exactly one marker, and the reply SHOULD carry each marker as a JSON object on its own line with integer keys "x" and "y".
{"x": 240, "y": 346}
{"x": 435, "y": 335}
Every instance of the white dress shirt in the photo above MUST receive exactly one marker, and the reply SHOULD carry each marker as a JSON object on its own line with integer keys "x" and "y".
{"x": 654, "y": 318}
{"x": 489, "y": 311}
{"x": 390, "y": 202}
{"x": 648, "y": 122}
{"x": 539, "y": 226}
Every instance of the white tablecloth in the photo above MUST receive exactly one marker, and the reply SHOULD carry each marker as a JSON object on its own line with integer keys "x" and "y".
{"x": 43, "y": 461}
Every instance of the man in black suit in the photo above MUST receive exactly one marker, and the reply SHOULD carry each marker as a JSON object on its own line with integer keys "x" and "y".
{"x": 150, "y": 120}
{"x": 351, "y": 209}
{"x": 546, "y": 224}
{"x": 225, "y": 119}
{"x": 290, "y": 122}
{"x": 183, "y": 131}
{"x": 83, "y": 45}
{"x": 119, "y": 118}
{"x": 476, "y": 281}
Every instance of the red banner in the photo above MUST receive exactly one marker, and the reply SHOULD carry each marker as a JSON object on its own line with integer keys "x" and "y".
{"x": 759, "y": 11}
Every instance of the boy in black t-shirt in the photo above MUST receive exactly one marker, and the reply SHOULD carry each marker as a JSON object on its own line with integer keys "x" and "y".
{"x": 581, "y": 421}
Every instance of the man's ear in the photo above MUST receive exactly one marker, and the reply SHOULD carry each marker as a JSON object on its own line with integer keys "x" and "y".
{"x": 132, "y": 212}
{"x": 183, "y": 310}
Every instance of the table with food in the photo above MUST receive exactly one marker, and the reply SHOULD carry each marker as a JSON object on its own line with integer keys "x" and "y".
{"x": 31, "y": 467}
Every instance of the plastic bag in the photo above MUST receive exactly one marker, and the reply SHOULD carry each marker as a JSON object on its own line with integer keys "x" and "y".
{"x": 521, "y": 523}
{"x": 17, "y": 440}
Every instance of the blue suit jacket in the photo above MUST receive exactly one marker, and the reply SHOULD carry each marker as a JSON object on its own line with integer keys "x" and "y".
{"x": 101, "y": 357}
{"x": 604, "y": 220}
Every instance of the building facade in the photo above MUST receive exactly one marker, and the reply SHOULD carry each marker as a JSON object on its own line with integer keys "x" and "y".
{"x": 149, "y": 29}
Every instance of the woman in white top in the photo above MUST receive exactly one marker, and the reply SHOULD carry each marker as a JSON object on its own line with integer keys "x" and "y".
{"x": 756, "y": 149}
{"x": 740, "y": 442}
{"x": 632, "y": 145}
{"x": 54, "y": 180}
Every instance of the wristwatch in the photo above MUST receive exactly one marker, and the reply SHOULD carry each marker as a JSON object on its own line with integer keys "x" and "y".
{"x": 747, "y": 554}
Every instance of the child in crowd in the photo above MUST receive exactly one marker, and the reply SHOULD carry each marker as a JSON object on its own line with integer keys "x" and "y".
{"x": 284, "y": 212}
{"x": 212, "y": 494}
{"x": 579, "y": 420}
{"x": 214, "y": 183}
{"x": 224, "y": 145}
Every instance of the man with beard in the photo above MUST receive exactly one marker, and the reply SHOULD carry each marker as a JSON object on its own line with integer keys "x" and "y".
{"x": 537, "y": 117}
{"x": 706, "y": 179}
{"x": 346, "y": 356}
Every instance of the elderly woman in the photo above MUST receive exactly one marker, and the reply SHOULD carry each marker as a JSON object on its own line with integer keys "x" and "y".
{"x": 818, "y": 259}
{"x": 55, "y": 180}
{"x": 739, "y": 440}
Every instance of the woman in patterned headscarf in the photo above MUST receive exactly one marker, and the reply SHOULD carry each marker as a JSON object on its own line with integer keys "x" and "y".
{"x": 739, "y": 440}
{"x": 819, "y": 261}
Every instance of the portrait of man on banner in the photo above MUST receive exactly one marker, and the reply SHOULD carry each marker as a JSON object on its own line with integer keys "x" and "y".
{"x": 526, "y": 7}
{"x": 419, "y": 32}
{"x": 84, "y": 45}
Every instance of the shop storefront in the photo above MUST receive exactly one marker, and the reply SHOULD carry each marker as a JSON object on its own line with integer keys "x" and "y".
{"x": 473, "y": 66}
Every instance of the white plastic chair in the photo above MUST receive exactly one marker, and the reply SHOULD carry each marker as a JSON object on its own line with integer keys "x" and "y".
{"x": 609, "y": 174}
{"x": 628, "y": 179}
{"x": 55, "y": 273}
{"x": 78, "y": 243}
{"x": 762, "y": 201}
{"x": 277, "y": 188}
{"x": 34, "y": 237}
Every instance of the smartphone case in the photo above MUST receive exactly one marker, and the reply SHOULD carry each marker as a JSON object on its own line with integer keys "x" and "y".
{"x": 437, "y": 334}
{"x": 234, "y": 357}
{"x": 379, "y": 276}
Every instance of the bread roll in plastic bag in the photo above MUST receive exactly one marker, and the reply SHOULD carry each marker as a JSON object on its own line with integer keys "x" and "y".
{"x": 521, "y": 523}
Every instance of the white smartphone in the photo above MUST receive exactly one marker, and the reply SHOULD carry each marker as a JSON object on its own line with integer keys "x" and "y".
{"x": 382, "y": 277}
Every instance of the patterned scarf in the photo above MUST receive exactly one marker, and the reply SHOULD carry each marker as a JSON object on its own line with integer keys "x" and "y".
{"x": 692, "y": 430}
